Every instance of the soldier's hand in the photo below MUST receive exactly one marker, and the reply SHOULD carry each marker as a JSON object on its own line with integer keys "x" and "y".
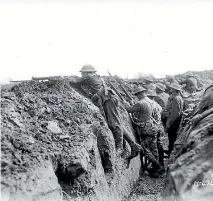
{"x": 74, "y": 79}
{"x": 94, "y": 97}
{"x": 132, "y": 102}
{"x": 56, "y": 78}
{"x": 125, "y": 103}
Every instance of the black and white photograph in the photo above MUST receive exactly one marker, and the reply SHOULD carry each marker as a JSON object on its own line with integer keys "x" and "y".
{"x": 106, "y": 100}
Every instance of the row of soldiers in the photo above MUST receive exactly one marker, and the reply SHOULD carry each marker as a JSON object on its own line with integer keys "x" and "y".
{"x": 155, "y": 113}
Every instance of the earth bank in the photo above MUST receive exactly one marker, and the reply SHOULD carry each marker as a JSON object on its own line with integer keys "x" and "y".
{"x": 56, "y": 145}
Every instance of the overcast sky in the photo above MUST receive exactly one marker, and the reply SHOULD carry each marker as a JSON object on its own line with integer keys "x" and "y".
{"x": 125, "y": 37}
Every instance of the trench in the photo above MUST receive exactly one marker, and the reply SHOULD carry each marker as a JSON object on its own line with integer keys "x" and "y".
{"x": 147, "y": 189}
{"x": 68, "y": 177}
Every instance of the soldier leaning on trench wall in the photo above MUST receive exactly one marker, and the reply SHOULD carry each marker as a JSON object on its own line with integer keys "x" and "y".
{"x": 107, "y": 101}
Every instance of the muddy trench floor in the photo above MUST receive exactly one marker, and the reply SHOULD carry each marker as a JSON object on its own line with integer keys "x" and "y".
{"x": 147, "y": 189}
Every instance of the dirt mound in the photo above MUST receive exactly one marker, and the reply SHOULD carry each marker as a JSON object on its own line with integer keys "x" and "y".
{"x": 190, "y": 175}
{"x": 204, "y": 78}
{"x": 50, "y": 127}
{"x": 147, "y": 189}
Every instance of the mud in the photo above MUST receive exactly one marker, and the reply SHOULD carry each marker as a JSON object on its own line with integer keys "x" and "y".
{"x": 51, "y": 123}
{"x": 190, "y": 173}
{"x": 56, "y": 145}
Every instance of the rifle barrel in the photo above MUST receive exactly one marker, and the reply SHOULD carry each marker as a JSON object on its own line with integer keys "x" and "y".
{"x": 119, "y": 84}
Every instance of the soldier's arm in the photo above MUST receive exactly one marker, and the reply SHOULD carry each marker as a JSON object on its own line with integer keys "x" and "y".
{"x": 78, "y": 80}
{"x": 134, "y": 108}
{"x": 160, "y": 102}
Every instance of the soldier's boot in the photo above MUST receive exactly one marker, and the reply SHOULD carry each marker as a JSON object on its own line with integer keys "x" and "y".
{"x": 153, "y": 159}
{"x": 118, "y": 136}
{"x": 159, "y": 173}
{"x": 135, "y": 147}
{"x": 161, "y": 155}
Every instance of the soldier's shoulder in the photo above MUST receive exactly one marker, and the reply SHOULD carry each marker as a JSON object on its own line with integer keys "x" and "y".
{"x": 144, "y": 101}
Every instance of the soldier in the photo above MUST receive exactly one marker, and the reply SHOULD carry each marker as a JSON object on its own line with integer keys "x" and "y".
{"x": 175, "y": 107}
{"x": 156, "y": 114}
{"x": 149, "y": 83}
{"x": 162, "y": 100}
{"x": 170, "y": 80}
{"x": 148, "y": 133}
{"x": 96, "y": 89}
{"x": 191, "y": 84}
{"x": 161, "y": 97}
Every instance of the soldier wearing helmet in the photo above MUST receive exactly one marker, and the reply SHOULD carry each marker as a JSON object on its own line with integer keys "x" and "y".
{"x": 156, "y": 114}
{"x": 170, "y": 80}
{"x": 162, "y": 99}
{"x": 106, "y": 99}
{"x": 191, "y": 85}
{"x": 175, "y": 110}
{"x": 148, "y": 134}
{"x": 149, "y": 83}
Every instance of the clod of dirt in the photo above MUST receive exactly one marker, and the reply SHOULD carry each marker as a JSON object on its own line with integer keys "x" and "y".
{"x": 53, "y": 127}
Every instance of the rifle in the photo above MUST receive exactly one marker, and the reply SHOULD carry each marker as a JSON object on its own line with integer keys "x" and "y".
{"x": 38, "y": 79}
{"x": 46, "y": 78}
{"x": 20, "y": 80}
{"x": 116, "y": 91}
{"x": 118, "y": 81}
{"x": 146, "y": 153}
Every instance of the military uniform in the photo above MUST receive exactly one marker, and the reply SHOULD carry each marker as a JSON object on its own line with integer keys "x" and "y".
{"x": 106, "y": 99}
{"x": 156, "y": 114}
{"x": 150, "y": 86}
{"x": 143, "y": 110}
{"x": 170, "y": 80}
{"x": 175, "y": 108}
{"x": 162, "y": 99}
{"x": 149, "y": 83}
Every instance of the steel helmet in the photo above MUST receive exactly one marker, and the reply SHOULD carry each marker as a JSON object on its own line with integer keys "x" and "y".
{"x": 190, "y": 74}
{"x": 161, "y": 86}
{"x": 175, "y": 86}
{"x": 139, "y": 89}
{"x": 88, "y": 68}
{"x": 151, "y": 93}
{"x": 150, "y": 79}
{"x": 192, "y": 81}
{"x": 170, "y": 77}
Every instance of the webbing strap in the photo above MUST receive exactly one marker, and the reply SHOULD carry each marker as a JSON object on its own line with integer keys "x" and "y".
{"x": 104, "y": 86}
